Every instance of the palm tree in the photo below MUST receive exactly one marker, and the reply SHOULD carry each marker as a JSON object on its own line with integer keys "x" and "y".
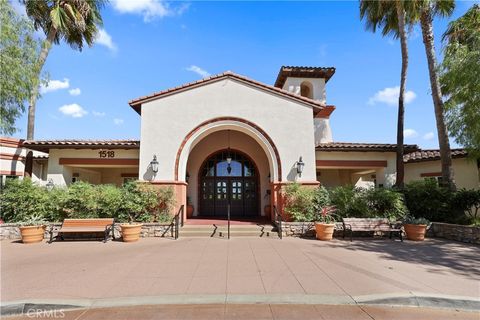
{"x": 427, "y": 10}
{"x": 390, "y": 16}
{"x": 74, "y": 21}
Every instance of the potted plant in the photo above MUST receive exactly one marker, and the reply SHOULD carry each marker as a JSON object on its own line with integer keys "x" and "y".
{"x": 138, "y": 203}
{"x": 415, "y": 228}
{"x": 325, "y": 223}
{"x": 190, "y": 208}
{"x": 131, "y": 231}
{"x": 32, "y": 230}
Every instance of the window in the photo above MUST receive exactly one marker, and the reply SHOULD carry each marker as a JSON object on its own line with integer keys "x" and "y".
{"x": 217, "y": 166}
{"x": 306, "y": 89}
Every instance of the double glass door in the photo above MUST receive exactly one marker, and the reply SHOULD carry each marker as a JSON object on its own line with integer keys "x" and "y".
{"x": 239, "y": 187}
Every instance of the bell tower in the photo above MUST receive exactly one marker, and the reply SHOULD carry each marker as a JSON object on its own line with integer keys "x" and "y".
{"x": 310, "y": 82}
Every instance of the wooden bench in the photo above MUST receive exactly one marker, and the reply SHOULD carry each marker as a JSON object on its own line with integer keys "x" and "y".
{"x": 370, "y": 225}
{"x": 72, "y": 226}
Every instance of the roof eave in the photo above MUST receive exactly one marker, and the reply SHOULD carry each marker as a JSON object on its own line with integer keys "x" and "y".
{"x": 137, "y": 103}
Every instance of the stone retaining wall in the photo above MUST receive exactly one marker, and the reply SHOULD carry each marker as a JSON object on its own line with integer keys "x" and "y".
{"x": 10, "y": 231}
{"x": 468, "y": 234}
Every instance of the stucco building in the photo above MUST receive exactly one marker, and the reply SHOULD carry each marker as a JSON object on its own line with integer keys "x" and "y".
{"x": 231, "y": 137}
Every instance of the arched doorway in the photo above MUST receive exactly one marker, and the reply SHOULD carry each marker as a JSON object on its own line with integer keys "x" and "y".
{"x": 228, "y": 175}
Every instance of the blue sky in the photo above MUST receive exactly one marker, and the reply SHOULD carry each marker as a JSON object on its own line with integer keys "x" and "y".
{"x": 148, "y": 45}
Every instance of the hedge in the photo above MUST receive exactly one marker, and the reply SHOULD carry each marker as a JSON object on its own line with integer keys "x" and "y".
{"x": 134, "y": 201}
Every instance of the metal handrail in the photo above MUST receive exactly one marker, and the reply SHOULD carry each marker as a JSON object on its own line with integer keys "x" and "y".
{"x": 178, "y": 221}
{"x": 278, "y": 221}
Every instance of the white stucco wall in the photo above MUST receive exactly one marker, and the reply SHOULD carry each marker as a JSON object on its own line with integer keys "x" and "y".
{"x": 385, "y": 175}
{"x": 167, "y": 121}
{"x": 323, "y": 131}
{"x": 62, "y": 175}
{"x": 465, "y": 170}
{"x": 293, "y": 84}
{"x": 218, "y": 141}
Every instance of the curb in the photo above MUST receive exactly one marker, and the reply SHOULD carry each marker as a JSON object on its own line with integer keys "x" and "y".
{"x": 398, "y": 300}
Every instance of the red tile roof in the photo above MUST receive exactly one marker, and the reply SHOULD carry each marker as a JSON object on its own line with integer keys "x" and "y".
{"x": 363, "y": 147}
{"x": 303, "y": 72}
{"x": 431, "y": 155}
{"x": 136, "y": 103}
{"x": 45, "y": 145}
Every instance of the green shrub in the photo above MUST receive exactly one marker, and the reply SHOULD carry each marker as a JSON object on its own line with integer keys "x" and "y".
{"x": 22, "y": 200}
{"x": 321, "y": 199}
{"x": 299, "y": 202}
{"x": 145, "y": 203}
{"x": 108, "y": 200}
{"x": 79, "y": 201}
{"x": 385, "y": 203}
{"x": 426, "y": 199}
{"x": 467, "y": 206}
{"x": 350, "y": 202}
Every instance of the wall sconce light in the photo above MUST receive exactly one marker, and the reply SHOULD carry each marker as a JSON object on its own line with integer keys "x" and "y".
{"x": 50, "y": 184}
{"x": 154, "y": 164}
{"x": 300, "y": 165}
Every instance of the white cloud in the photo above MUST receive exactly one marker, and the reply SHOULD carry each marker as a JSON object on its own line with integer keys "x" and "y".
{"x": 104, "y": 39}
{"x": 390, "y": 96}
{"x": 54, "y": 85}
{"x": 73, "y": 110}
{"x": 410, "y": 133}
{"x": 98, "y": 114}
{"x": 149, "y": 9}
{"x": 118, "y": 121}
{"x": 75, "y": 92}
{"x": 203, "y": 73}
{"x": 428, "y": 136}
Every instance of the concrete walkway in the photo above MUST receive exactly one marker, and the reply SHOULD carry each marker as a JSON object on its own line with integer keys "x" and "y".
{"x": 257, "y": 312}
{"x": 241, "y": 270}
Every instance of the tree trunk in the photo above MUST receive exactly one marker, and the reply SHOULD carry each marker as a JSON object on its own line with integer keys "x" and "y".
{"x": 47, "y": 44}
{"x": 401, "y": 108}
{"x": 445, "y": 152}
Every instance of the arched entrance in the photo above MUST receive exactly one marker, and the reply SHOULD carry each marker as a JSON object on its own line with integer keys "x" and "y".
{"x": 228, "y": 176}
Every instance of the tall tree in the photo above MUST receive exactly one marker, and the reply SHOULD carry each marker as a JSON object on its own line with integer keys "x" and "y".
{"x": 18, "y": 53}
{"x": 460, "y": 79}
{"x": 427, "y": 10}
{"x": 390, "y": 16}
{"x": 74, "y": 21}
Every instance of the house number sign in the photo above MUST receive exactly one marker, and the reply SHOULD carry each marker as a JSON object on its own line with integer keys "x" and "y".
{"x": 106, "y": 154}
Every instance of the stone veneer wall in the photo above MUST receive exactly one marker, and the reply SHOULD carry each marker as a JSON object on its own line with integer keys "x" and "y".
{"x": 468, "y": 234}
{"x": 10, "y": 231}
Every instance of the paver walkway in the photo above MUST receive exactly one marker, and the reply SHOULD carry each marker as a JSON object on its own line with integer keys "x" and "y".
{"x": 239, "y": 270}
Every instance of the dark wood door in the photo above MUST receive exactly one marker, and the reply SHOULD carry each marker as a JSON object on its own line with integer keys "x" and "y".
{"x": 218, "y": 187}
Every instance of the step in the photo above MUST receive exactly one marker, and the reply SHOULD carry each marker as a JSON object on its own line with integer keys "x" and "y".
{"x": 267, "y": 231}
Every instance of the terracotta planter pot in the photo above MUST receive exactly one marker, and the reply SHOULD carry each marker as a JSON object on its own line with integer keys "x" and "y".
{"x": 324, "y": 230}
{"x": 415, "y": 232}
{"x": 131, "y": 232}
{"x": 32, "y": 234}
{"x": 267, "y": 210}
{"x": 190, "y": 210}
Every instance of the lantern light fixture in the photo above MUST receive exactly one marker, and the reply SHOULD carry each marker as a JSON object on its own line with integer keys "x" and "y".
{"x": 50, "y": 184}
{"x": 300, "y": 165}
{"x": 154, "y": 164}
